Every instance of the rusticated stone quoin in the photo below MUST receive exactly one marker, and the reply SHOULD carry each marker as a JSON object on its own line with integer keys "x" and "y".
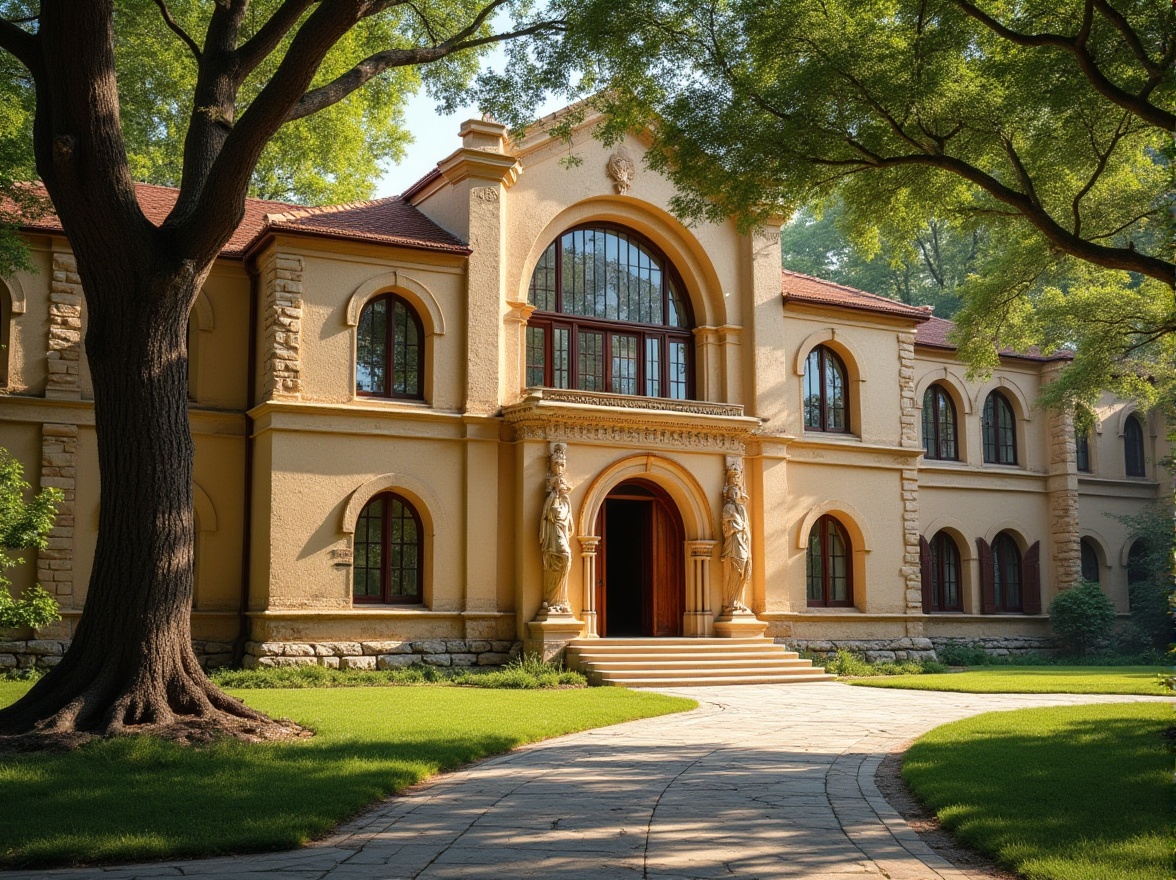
{"x": 282, "y": 282}
{"x": 63, "y": 359}
{"x": 59, "y": 459}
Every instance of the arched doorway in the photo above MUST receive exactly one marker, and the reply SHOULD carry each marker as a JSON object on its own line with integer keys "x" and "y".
{"x": 640, "y": 588}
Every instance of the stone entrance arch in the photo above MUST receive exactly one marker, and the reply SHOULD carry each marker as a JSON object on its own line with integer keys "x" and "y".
{"x": 697, "y": 524}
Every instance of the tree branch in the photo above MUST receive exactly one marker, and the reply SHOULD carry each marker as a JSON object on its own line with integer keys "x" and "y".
{"x": 177, "y": 30}
{"x": 255, "y": 50}
{"x": 19, "y": 43}
{"x": 1136, "y": 104}
{"x": 1129, "y": 36}
{"x": 372, "y": 66}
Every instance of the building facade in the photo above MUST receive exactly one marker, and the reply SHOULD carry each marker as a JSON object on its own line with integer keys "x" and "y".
{"x": 522, "y": 403}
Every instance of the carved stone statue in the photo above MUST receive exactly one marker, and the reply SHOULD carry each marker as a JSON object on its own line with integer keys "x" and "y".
{"x": 555, "y": 535}
{"x": 621, "y": 168}
{"x": 736, "y": 553}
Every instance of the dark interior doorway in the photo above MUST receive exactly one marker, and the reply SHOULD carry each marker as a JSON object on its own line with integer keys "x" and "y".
{"x": 641, "y": 586}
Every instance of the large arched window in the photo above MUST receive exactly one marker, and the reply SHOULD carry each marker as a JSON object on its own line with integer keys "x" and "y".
{"x": 1006, "y": 573}
{"x": 610, "y": 315}
{"x": 942, "y": 575}
{"x": 1000, "y": 430}
{"x": 1089, "y": 557}
{"x": 390, "y": 351}
{"x": 829, "y": 565}
{"x": 826, "y": 395}
{"x": 939, "y": 425}
{"x": 1133, "y": 447}
{"x": 388, "y": 552}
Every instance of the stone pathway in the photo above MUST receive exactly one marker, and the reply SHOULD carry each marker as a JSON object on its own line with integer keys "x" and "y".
{"x": 773, "y": 781}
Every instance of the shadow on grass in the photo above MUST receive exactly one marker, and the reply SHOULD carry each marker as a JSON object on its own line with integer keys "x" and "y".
{"x": 1071, "y": 793}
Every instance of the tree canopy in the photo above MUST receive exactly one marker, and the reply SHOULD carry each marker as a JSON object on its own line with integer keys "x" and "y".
{"x": 1045, "y": 123}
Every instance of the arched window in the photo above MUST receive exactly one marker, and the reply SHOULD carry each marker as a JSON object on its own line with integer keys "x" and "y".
{"x": 1082, "y": 451}
{"x": 828, "y": 565}
{"x": 1136, "y": 570}
{"x": 390, "y": 351}
{"x": 826, "y": 401}
{"x": 1090, "y": 567}
{"x": 610, "y": 315}
{"x": 999, "y": 429}
{"x": 939, "y": 425}
{"x": 1006, "y": 573}
{"x": 1133, "y": 447}
{"x": 388, "y": 552}
{"x": 942, "y": 574}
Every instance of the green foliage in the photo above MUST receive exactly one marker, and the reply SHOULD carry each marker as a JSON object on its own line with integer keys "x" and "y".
{"x": 1082, "y": 617}
{"x": 116, "y": 800}
{"x": 847, "y": 664}
{"x": 968, "y": 655}
{"x": 1065, "y": 793}
{"x": 523, "y": 673}
{"x": 1151, "y": 573}
{"x": 23, "y": 526}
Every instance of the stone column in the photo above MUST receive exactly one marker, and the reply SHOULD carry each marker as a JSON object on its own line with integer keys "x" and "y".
{"x": 516, "y": 348}
{"x": 908, "y": 421}
{"x": 1062, "y": 487}
{"x": 699, "y": 618}
{"x": 588, "y": 547}
{"x": 65, "y": 330}
{"x": 281, "y": 279}
{"x": 59, "y": 458}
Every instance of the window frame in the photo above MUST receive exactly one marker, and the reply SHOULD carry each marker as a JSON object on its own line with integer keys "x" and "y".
{"x": 940, "y": 543}
{"x": 1082, "y": 460}
{"x": 1002, "y": 545}
{"x": 575, "y": 325}
{"x": 386, "y": 598}
{"x": 823, "y": 353}
{"x": 938, "y": 394}
{"x": 821, "y": 528}
{"x": 992, "y": 425}
{"x": 1088, "y": 554}
{"x": 1134, "y": 448}
{"x": 392, "y": 298}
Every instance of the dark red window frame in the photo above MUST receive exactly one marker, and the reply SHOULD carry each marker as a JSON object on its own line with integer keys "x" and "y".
{"x": 1008, "y": 576}
{"x": 1089, "y": 561}
{"x": 821, "y": 357}
{"x": 945, "y": 564}
{"x": 390, "y": 352}
{"x": 1133, "y": 452}
{"x": 822, "y": 532}
{"x": 548, "y": 323}
{"x": 386, "y": 597}
{"x": 1082, "y": 451}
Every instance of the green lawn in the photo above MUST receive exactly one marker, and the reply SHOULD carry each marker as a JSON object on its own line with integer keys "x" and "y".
{"x": 140, "y": 798}
{"x": 1069, "y": 793}
{"x": 1033, "y": 680}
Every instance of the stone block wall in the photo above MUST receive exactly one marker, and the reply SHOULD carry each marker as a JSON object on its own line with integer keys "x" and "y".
{"x": 891, "y": 650}
{"x": 30, "y": 653}
{"x": 382, "y": 655}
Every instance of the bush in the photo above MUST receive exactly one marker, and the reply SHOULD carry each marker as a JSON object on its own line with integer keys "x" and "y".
{"x": 1082, "y": 617}
{"x": 523, "y": 673}
{"x": 853, "y": 665}
{"x": 35, "y": 608}
{"x": 24, "y": 526}
{"x": 964, "y": 655}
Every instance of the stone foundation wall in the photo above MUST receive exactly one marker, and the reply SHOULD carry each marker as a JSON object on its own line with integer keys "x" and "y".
{"x": 30, "y": 653}
{"x": 382, "y": 655}
{"x": 890, "y": 650}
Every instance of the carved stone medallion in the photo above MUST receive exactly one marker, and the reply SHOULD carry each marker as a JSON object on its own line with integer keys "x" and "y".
{"x": 621, "y": 168}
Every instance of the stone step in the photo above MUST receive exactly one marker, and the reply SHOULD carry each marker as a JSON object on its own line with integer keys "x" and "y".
{"x": 694, "y": 681}
{"x": 718, "y": 663}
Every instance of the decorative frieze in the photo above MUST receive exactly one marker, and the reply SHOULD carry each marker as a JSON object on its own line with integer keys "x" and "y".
{"x": 281, "y": 278}
{"x": 63, "y": 359}
{"x": 59, "y": 468}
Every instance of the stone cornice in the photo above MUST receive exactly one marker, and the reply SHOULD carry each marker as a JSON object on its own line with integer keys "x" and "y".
{"x": 621, "y": 420}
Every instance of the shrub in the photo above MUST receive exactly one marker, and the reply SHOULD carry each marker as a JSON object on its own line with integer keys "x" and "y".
{"x": 1150, "y": 592}
{"x": 964, "y": 655}
{"x": 1082, "y": 617}
{"x": 853, "y": 665}
{"x": 23, "y": 526}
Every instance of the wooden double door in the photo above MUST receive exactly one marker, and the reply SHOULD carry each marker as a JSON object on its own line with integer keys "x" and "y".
{"x": 640, "y": 588}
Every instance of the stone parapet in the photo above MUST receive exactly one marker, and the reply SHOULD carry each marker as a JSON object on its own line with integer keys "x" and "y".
{"x": 382, "y": 655}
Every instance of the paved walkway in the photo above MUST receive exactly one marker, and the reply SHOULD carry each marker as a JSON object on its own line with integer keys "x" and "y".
{"x": 760, "y": 782}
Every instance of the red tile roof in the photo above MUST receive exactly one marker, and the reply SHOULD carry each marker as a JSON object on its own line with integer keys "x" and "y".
{"x": 934, "y": 333}
{"x": 798, "y": 287}
{"x": 389, "y": 221}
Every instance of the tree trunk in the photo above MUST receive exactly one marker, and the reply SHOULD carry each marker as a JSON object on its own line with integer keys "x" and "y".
{"x": 131, "y": 666}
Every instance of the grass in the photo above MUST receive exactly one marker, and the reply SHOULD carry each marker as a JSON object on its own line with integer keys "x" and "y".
{"x": 1073, "y": 793}
{"x": 1141, "y": 680}
{"x": 138, "y": 798}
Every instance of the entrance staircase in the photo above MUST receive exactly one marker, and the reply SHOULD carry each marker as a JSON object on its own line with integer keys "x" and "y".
{"x": 665, "y": 662}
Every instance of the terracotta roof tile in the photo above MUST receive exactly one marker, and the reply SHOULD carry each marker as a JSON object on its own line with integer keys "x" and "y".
{"x": 934, "y": 333}
{"x": 798, "y": 287}
{"x": 390, "y": 221}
